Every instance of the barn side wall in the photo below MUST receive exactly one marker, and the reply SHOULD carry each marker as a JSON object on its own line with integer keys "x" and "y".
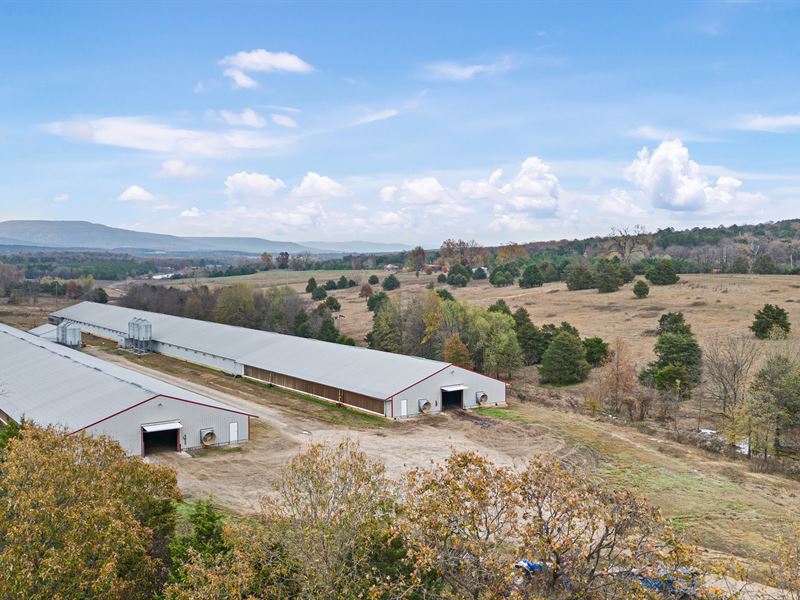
{"x": 126, "y": 427}
{"x": 431, "y": 390}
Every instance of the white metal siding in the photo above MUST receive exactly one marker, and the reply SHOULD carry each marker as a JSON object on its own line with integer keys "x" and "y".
{"x": 431, "y": 390}
{"x": 126, "y": 427}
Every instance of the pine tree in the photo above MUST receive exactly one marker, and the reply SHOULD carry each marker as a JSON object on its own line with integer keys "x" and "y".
{"x": 564, "y": 361}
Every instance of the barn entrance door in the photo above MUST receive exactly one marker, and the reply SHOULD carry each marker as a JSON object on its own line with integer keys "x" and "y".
{"x": 161, "y": 437}
{"x": 453, "y": 396}
{"x": 233, "y": 433}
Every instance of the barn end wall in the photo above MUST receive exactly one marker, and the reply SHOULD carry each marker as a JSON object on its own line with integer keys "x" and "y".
{"x": 431, "y": 390}
{"x": 126, "y": 427}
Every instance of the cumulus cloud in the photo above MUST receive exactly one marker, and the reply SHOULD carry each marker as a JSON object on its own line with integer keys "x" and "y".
{"x": 177, "y": 169}
{"x": 134, "y": 193}
{"x": 619, "y": 203}
{"x": 191, "y": 213}
{"x": 315, "y": 185}
{"x": 247, "y": 117}
{"x": 283, "y": 120}
{"x": 141, "y": 133}
{"x": 238, "y": 65}
{"x": 425, "y": 190}
{"x": 245, "y": 186}
{"x": 453, "y": 71}
{"x": 670, "y": 179}
{"x": 770, "y": 123}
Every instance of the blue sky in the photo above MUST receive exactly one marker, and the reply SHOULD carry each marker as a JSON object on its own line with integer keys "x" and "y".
{"x": 405, "y": 122}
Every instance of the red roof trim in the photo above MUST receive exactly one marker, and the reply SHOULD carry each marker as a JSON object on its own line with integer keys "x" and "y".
{"x": 506, "y": 383}
{"x": 162, "y": 396}
{"x": 418, "y": 382}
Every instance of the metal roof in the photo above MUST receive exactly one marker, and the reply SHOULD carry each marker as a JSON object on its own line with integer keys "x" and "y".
{"x": 369, "y": 372}
{"x": 50, "y": 384}
{"x": 46, "y": 331}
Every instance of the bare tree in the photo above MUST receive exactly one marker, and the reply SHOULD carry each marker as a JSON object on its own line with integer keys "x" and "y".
{"x": 626, "y": 240}
{"x": 728, "y": 363}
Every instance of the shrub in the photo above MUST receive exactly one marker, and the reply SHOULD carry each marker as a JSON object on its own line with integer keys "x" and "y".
{"x": 531, "y": 277}
{"x": 503, "y": 275}
{"x": 332, "y": 303}
{"x": 330, "y": 284}
{"x": 662, "y": 273}
{"x": 373, "y": 279}
{"x": 479, "y": 273}
{"x": 627, "y": 273}
{"x": 769, "y": 321}
{"x": 352, "y": 283}
{"x": 740, "y": 265}
{"x": 444, "y": 295}
{"x": 98, "y": 295}
{"x": 579, "y": 277}
{"x": 311, "y": 286}
{"x": 391, "y": 283}
{"x": 641, "y": 289}
{"x": 318, "y": 293}
{"x": 441, "y": 278}
{"x": 673, "y": 322}
{"x": 564, "y": 362}
{"x": 607, "y": 276}
{"x": 374, "y": 301}
{"x": 764, "y": 265}
{"x": 342, "y": 283}
{"x": 501, "y": 307}
{"x": 596, "y": 350}
{"x": 459, "y": 275}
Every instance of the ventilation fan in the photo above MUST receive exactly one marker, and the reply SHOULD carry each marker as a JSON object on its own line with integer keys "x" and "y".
{"x": 208, "y": 437}
{"x": 424, "y": 406}
{"x": 481, "y": 398}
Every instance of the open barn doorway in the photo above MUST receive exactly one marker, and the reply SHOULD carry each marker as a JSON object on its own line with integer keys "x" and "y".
{"x": 453, "y": 397}
{"x": 161, "y": 437}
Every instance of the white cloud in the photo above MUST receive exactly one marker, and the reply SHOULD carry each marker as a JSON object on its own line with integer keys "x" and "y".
{"x": 425, "y": 190}
{"x": 261, "y": 61}
{"x": 283, "y": 120}
{"x": 191, "y": 213}
{"x": 670, "y": 179}
{"x": 141, "y": 133}
{"x": 134, "y": 193}
{"x": 244, "y": 186}
{"x": 377, "y": 116}
{"x": 619, "y": 203}
{"x": 452, "y": 71}
{"x": 656, "y": 134}
{"x": 61, "y": 198}
{"x": 199, "y": 88}
{"x": 247, "y": 117}
{"x": 770, "y": 123}
{"x": 314, "y": 185}
{"x": 534, "y": 189}
{"x": 177, "y": 169}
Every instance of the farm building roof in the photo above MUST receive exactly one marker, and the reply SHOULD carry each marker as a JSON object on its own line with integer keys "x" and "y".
{"x": 369, "y": 372}
{"x": 50, "y": 384}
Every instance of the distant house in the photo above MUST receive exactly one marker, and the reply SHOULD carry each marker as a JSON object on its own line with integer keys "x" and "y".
{"x": 391, "y": 268}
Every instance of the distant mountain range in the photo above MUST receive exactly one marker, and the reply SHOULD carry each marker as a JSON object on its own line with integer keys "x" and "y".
{"x": 86, "y": 235}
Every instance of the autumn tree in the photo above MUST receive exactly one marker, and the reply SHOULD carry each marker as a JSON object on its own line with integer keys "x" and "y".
{"x": 464, "y": 513}
{"x": 80, "y": 519}
{"x": 416, "y": 259}
{"x": 236, "y": 306}
{"x": 366, "y": 291}
{"x": 457, "y": 353}
{"x": 511, "y": 252}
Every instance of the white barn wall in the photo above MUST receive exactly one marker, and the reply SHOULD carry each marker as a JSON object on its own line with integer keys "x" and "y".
{"x": 126, "y": 427}
{"x": 431, "y": 389}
